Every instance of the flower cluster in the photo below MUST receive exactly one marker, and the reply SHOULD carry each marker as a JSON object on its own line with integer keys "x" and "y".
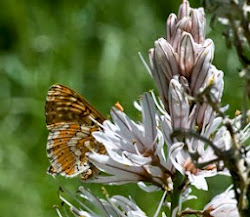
{"x": 179, "y": 141}
{"x": 181, "y": 67}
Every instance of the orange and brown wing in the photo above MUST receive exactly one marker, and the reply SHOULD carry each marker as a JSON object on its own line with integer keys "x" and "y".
{"x": 65, "y": 105}
{"x": 66, "y": 148}
{"x": 68, "y": 117}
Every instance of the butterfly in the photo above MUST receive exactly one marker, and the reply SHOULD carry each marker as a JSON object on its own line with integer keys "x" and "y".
{"x": 70, "y": 120}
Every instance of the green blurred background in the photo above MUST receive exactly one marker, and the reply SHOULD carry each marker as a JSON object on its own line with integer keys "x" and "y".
{"x": 90, "y": 46}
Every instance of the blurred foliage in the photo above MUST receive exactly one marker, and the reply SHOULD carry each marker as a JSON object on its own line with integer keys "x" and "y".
{"x": 90, "y": 46}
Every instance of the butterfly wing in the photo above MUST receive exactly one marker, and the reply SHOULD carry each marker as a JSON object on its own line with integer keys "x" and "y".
{"x": 70, "y": 123}
{"x": 66, "y": 148}
{"x": 65, "y": 105}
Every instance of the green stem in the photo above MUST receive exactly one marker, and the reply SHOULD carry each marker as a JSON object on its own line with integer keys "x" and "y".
{"x": 179, "y": 183}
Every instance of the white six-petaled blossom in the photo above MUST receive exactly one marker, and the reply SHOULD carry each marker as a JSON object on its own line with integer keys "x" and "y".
{"x": 134, "y": 150}
{"x": 222, "y": 205}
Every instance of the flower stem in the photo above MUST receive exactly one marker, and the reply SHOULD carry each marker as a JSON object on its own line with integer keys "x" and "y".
{"x": 177, "y": 192}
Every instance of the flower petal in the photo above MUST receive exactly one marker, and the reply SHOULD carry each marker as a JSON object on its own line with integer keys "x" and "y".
{"x": 186, "y": 55}
{"x": 202, "y": 65}
{"x": 171, "y": 26}
{"x": 149, "y": 121}
{"x": 198, "y": 25}
{"x": 178, "y": 105}
{"x": 184, "y": 9}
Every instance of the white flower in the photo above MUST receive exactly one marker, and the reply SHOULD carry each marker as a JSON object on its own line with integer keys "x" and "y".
{"x": 134, "y": 150}
{"x": 222, "y": 205}
{"x": 241, "y": 134}
{"x": 185, "y": 157}
{"x": 116, "y": 206}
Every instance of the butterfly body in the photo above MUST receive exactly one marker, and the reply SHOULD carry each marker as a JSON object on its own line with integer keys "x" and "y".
{"x": 70, "y": 120}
